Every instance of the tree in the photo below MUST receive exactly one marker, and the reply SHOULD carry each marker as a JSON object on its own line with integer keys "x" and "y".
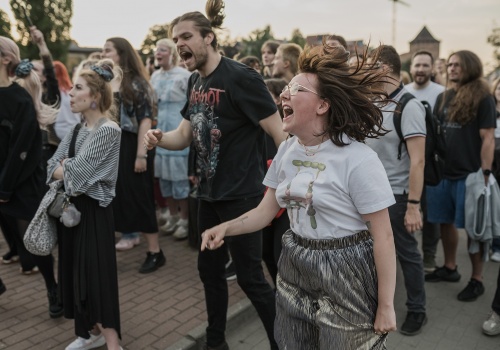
{"x": 494, "y": 40}
{"x": 5, "y": 25}
{"x": 51, "y": 17}
{"x": 252, "y": 45}
{"x": 230, "y": 47}
{"x": 155, "y": 33}
{"x": 298, "y": 38}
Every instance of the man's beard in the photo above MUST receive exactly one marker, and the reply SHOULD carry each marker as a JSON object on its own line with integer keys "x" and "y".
{"x": 418, "y": 80}
{"x": 200, "y": 59}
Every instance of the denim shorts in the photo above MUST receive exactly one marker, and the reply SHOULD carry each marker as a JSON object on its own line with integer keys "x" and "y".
{"x": 446, "y": 203}
{"x": 175, "y": 189}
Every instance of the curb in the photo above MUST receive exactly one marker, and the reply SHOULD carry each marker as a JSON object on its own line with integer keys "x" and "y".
{"x": 237, "y": 314}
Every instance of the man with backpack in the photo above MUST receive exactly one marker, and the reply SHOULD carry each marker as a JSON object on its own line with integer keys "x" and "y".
{"x": 406, "y": 176}
{"x": 424, "y": 89}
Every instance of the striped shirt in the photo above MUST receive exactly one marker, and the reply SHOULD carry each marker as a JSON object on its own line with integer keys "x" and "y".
{"x": 94, "y": 168}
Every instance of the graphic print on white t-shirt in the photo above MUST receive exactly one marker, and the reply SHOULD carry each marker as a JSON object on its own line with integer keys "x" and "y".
{"x": 342, "y": 183}
{"x": 299, "y": 191}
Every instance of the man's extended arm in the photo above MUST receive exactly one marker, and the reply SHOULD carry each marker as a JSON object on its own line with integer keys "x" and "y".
{"x": 175, "y": 140}
{"x": 273, "y": 126}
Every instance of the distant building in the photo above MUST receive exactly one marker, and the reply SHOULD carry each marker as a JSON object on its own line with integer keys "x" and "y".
{"x": 423, "y": 41}
{"x": 315, "y": 40}
{"x": 353, "y": 46}
{"x": 76, "y": 54}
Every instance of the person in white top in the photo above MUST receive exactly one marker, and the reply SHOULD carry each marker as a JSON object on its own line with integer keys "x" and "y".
{"x": 66, "y": 119}
{"x": 422, "y": 87}
{"x": 336, "y": 275}
{"x": 426, "y": 90}
{"x": 406, "y": 176}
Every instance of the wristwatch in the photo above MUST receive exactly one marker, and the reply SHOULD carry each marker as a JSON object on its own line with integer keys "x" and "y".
{"x": 486, "y": 172}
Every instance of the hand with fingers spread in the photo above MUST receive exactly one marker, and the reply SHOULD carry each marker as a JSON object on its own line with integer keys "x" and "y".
{"x": 152, "y": 138}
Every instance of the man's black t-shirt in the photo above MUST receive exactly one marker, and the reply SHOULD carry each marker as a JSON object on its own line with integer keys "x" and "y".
{"x": 463, "y": 142}
{"x": 224, "y": 109}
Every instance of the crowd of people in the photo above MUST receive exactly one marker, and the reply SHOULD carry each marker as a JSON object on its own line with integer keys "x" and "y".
{"x": 277, "y": 150}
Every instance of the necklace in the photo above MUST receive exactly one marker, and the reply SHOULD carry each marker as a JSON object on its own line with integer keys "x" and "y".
{"x": 310, "y": 151}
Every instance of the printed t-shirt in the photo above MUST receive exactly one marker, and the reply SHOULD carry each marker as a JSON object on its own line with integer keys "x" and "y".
{"x": 225, "y": 109}
{"x": 325, "y": 194}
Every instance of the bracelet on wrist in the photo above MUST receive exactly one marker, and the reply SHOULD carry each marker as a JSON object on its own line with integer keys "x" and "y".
{"x": 413, "y": 201}
{"x": 145, "y": 156}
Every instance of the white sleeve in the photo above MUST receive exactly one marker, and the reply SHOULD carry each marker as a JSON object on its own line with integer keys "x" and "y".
{"x": 413, "y": 119}
{"x": 369, "y": 186}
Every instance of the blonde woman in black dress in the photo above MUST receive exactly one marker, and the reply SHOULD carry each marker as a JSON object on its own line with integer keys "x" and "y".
{"x": 87, "y": 273}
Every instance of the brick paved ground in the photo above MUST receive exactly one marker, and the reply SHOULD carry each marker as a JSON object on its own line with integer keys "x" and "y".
{"x": 157, "y": 310}
{"x": 166, "y": 310}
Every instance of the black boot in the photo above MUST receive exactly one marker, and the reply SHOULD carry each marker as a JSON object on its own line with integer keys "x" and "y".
{"x": 2, "y": 287}
{"x": 55, "y": 306}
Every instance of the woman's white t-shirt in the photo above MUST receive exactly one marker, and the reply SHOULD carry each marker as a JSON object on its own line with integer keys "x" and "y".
{"x": 326, "y": 193}
{"x": 66, "y": 119}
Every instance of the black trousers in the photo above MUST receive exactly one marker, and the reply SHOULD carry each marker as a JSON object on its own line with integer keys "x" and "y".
{"x": 246, "y": 252}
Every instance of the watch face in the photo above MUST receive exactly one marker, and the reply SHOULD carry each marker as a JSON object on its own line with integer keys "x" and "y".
{"x": 487, "y": 172}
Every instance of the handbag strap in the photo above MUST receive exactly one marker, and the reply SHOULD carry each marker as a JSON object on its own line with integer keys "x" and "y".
{"x": 71, "y": 152}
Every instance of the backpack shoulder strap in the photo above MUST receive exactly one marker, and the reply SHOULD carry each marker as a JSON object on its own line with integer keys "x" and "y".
{"x": 397, "y": 115}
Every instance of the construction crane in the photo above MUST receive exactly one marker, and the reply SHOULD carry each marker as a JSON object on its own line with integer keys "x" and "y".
{"x": 394, "y": 5}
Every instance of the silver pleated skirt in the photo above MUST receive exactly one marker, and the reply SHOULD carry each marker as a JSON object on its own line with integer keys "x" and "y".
{"x": 327, "y": 294}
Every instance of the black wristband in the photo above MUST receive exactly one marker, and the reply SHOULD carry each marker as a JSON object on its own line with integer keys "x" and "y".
{"x": 486, "y": 172}
{"x": 413, "y": 201}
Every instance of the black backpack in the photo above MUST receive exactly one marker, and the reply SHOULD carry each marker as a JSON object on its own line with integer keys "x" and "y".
{"x": 435, "y": 145}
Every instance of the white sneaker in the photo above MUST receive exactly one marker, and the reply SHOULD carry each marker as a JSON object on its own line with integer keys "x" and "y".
{"x": 163, "y": 217}
{"x": 492, "y": 325}
{"x": 127, "y": 244}
{"x": 95, "y": 341}
{"x": 182, "y": 229}
{"x": 495, "y": 257}
{"x": 171, "y": 225}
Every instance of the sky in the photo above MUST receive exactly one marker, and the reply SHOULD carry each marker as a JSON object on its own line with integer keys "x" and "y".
{"x": 458, "y": 24}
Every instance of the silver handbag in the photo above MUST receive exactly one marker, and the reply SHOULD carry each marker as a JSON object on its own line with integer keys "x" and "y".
{"x": 61, "y": 200}
{"x": 41, "y": 235}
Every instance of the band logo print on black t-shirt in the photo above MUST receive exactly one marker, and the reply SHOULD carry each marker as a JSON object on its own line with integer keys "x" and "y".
{"x": 206, "y": 134}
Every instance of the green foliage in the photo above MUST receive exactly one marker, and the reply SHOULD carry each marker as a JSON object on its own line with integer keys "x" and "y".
{"x": 5, "y": 25}
{"x": 230, "y": 47}
{"x": 298, "y": 38}
{"x": 52, "y": 18}
{"x": 494, "y": 40}
{"x": 155, "y": 33}
{"x": 252, "y": 45}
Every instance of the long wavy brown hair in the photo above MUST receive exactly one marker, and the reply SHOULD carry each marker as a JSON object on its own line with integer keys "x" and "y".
{"x": 351, "y": 92}
{"x": 470, "y": 90}
{"x": 133, "y": 70}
